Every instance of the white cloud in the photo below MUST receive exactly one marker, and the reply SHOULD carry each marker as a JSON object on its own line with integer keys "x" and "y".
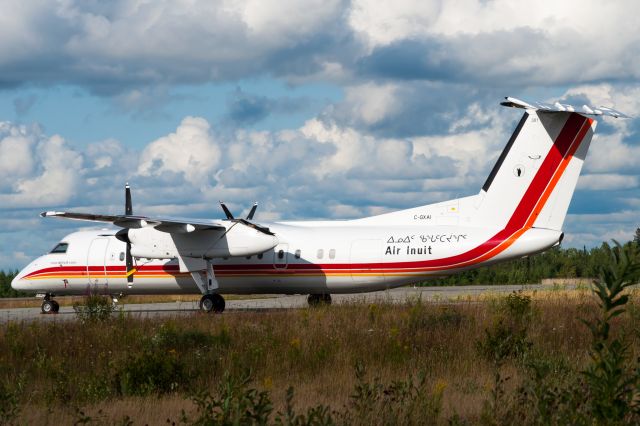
{"x": 371, "y": 102}
{"x": 191, "y": 151}
{"x": 16, "y": 159}
{"x": 52, "y": 169}
{"x": 381, "y": 23}
{"x": 287, "y": 21}
{"x": 601, "y": 182}
{"x": 124, "y": 46}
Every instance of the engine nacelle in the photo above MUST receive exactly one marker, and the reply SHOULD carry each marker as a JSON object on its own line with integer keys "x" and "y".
{"x": 238, "y": 240}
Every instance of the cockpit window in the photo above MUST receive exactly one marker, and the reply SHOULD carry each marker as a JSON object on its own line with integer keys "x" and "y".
{"x": 60, "y": 248}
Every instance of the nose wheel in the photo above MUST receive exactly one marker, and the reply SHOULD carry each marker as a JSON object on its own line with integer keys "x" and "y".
{"x": 49, "y": 306}
{"x": 319, "y": 299}
{"x": 212, "y": 303}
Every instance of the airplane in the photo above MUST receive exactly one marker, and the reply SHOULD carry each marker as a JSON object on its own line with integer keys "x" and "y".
{"x": 518, "y": 212}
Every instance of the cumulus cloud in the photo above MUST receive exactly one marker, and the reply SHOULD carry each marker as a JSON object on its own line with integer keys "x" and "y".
{"x": 37, "y": 170}
{"x": 116, "y": 46}
{"x": 191, "y": 152}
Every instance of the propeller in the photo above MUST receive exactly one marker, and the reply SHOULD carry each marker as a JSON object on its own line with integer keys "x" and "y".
{"x": 246, "y": 221}
{"x": 123, "y": 235}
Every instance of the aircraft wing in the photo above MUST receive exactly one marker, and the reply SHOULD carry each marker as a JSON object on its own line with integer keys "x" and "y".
{"x": 164, "y": 224}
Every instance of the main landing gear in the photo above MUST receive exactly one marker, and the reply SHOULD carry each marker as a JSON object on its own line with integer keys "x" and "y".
{"x": 319, "y": 299}
{"x": 212, "y": 303}
{"x": 49, "y": 306}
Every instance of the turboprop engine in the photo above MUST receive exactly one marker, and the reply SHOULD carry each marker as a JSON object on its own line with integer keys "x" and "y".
{"x": 238, "y": 240}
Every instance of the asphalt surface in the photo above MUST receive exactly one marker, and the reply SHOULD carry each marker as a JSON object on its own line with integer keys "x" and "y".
{"x": 399, "y": 295}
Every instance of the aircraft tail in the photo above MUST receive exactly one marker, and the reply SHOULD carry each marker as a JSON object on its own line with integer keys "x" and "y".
{"x": 533, "y": 181}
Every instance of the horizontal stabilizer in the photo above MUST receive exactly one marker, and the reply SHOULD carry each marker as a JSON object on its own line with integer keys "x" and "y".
{"x": 558, "y": 107}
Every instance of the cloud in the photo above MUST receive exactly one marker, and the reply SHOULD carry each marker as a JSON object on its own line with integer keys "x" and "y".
{"x": 190, "y": 152}
{"x": 120, "y": 47}
{"x": 246, "y": 109}
{"x": 602, "y": 182}
{"x": 495, "y": 43}
{"x": 38, "y": 170}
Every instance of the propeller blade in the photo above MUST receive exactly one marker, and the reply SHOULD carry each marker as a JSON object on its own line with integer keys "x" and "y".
{"x": 128, "y": 206}
{"x": 130, "y": 269}
{"x": 123, "y": 235}
{"x": 259, "y": 228}
{"x": 253, "y": 211}
{"x": 226, "y": 210}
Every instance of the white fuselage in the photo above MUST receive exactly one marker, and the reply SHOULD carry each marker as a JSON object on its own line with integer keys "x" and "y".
{"x": 311, "y": 257}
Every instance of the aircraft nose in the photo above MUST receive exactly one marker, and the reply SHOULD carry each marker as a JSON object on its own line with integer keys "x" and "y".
{"x": 18, "y": 283}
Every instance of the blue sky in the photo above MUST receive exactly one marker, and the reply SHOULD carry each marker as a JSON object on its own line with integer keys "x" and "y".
{"x": 316, "y": 109}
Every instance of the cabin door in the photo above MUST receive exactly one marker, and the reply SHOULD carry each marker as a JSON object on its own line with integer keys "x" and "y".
{"x": 96, "y": 270}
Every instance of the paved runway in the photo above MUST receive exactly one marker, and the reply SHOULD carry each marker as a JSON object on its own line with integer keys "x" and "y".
{"x": 399, "y": 295}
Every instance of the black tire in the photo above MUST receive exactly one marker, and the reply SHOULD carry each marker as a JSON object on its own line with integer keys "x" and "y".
{"x": 47, "y": 307}
{"x": 218, "y": 303}
{"x": 212, "y": 303}
{"x": 56, "y": 306}
{"x": 326, "y": 299}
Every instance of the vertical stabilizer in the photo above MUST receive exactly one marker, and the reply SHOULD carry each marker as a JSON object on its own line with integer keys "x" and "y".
{"x": 535, "y": 176}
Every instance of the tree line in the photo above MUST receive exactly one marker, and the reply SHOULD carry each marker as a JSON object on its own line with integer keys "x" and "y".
{"x": 557, "y": 262}
{"x": 5, "y": 285}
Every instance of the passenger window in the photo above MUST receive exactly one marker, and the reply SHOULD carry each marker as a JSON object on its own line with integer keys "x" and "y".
{"x": 320, "y": 253}
{"x": 281, "y": 254}
{"x": 60, "y": 248}
{"x": 298, "y": 253}
{"x": 332, "y": 254}
{"x": 121, "y": 256}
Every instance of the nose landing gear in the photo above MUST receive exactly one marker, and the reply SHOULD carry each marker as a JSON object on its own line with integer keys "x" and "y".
{"x": 49, "y": 306}
{"x": 212, "y": 303}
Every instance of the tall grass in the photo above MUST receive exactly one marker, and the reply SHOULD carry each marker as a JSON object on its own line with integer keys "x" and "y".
{"x": 417, "y": 362}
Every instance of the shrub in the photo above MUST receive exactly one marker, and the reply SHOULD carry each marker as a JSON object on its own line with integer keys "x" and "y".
{"x": 234, "y": 403}
{"x": 95, "y": 308}
{"x": 9, "y": 408}
{"x": 400, "y": 402}
{"x": 151, "y": 372}
{"x": 606, "y": 391}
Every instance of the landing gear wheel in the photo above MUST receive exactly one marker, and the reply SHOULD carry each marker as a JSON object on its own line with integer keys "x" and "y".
{"x": 212, "y": 302}
{"x": 47, "y": 307}
{"x": 319, "y": 299}
{"x": 56, "y": 306}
